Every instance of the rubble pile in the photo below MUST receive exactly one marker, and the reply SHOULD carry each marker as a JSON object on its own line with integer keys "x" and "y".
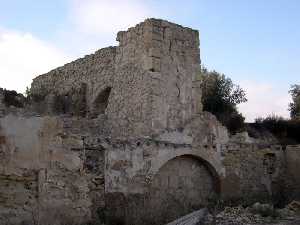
{"x": 258, "y": 214}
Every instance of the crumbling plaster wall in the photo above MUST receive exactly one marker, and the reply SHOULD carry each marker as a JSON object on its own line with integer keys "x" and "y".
{"x": 134, "y": 155}
{"x": 259, "y": 165}
{"x": 48, "y": 173}
{"x": 253, "y": 172}
{"x": 243, "y": 168}
{"x": 59, "y": 167}
{"x": 133, "y": 165}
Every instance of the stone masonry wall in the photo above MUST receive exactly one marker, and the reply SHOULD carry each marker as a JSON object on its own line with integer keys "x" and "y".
{"x": 153, "y": 75}
{"x": 61, "y": 168}
{"x": 253, "y": 173}
{"x": 51, "y": 171}
{"x": 96, "y": 71}
{"x": 157, "y": 62}
{"x": 292, "y": 162}
{"x": 137, "y": 172}
{"x": 242, "y": 169}
{"x": 146, "y": 86}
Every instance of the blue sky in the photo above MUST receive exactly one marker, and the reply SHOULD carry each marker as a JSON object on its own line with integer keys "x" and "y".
{"x": 256, "y": 43}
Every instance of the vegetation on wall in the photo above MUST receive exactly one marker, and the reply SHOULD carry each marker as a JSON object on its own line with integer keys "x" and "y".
{"x": 285, "y": 130}
{"x": 220, "y": 96}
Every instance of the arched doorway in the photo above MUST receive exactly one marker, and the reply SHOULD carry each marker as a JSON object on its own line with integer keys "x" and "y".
{"x": 101, "y": 102}
{"x": 181, "y": 185}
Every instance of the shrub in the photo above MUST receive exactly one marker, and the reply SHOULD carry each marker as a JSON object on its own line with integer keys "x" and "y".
{"x": 12, "y": 98}
{"x": 286, "y": 131}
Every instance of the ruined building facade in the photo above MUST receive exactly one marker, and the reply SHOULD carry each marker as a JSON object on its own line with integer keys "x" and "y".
{"x": 120, "y": 136}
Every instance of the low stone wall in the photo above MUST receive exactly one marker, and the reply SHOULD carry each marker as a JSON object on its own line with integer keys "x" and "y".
{"x": 253, "y": 172}
{"x": 292, "y": 163}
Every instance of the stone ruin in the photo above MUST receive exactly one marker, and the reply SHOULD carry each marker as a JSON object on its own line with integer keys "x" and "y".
{"x": 120, "y": 137}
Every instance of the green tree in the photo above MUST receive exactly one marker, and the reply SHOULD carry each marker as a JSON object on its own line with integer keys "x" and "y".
{"x": 27, "y": 92}
{"x": 220, "y": 96}
{"x": 294, "y": 107}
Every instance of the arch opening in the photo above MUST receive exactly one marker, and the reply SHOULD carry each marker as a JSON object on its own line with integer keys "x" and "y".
{"x": 101, "y": 102}
{"x": 182, "y": 185}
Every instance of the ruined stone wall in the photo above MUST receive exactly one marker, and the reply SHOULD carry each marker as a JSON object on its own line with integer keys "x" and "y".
{"x": 60, "y": 170}
{"x": 93, "y": 74}
{"x": 51, "y": 170}
{"x": 175, "y": 92}
{"x": 292, "y": 162}
{"x": 253, "y": 173}
{"x": 121, "y": 134}
{"x": 157, "y": 62}
{"x": 144, "y": 178}
{"x": 153, "y": 75}
{"x": 131, "y": 162}
{"x": 241, "y": 168}
{"x": 139, "y": 170}
{"x": 145, "y": 86}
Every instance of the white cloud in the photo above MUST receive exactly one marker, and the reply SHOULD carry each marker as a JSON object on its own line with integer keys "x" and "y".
{"x": 92, "y": 25}
{"x": 23, "y": 57}
{"x": 107, "y": 16}
{"x": 263, "y": 100}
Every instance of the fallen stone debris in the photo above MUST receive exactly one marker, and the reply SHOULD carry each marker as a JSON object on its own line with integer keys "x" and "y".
{"x": 257, "y": 214}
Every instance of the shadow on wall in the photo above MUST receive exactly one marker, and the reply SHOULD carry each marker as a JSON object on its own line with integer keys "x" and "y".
{"x": 101, "y": 102}
{"x": 73, "y": 103}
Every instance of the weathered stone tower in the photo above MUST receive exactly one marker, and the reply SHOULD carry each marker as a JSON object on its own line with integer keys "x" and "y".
{"x": 145, "y": 85}
{"x": 160, "y": 62}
